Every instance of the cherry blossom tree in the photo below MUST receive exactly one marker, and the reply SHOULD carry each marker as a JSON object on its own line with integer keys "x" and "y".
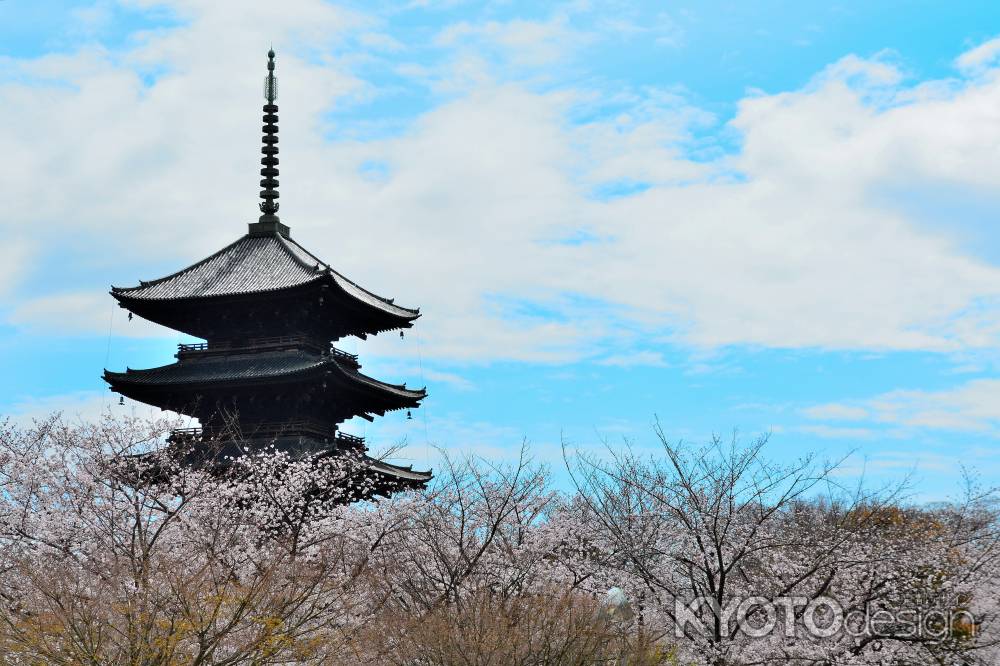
{"x": 716, "y": 556}
{"x": 743, "y": 561}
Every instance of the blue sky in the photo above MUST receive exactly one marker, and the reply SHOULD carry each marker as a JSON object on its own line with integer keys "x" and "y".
{"x": 765, "y": 217}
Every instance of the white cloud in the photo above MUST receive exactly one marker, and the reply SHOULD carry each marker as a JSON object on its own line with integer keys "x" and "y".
{"x": 662, "y": 27}
{"x": 891, "y": 468}
{"x": 382, "y": 42}
{"x": 970, "y": 407}
{"x": 429, "y": 433}
{"x": 85, "y": 406}
{"x": 862, "y": 71}
{"x": 72, "y": 313}
{"x": 524, "y": 42}
{"x": 80, "y": 407}
{"x": 14, "y": 256}
{"x": 630, "y": 360}
{"x": 643, "y": 144}
{"x": 837, "y": 412}
{"x": 834, "y": 432}
{"x": 90, "y": 20}
{"x": 455, "y": 381}
{"x": 915, "y": 468}
{"x": 790, "y": 242}
{"x": 981, "y": 56}
{"x": 417, "y": 372}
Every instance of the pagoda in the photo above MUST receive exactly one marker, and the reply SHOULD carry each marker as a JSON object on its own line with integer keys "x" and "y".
{"x": 267, "y": 376}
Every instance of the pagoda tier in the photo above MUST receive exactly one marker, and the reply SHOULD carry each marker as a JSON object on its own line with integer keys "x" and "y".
{"x": 264, "y": 284}
{"x": 259, "y": 387}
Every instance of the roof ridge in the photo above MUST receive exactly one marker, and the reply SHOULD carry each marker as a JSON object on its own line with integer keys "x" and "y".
{"x": 284, "y": 245}
{"x": 144, "y": 283}
{"x": 387, "y": 301}
{"x": 329, "y": 269}
{"x": 343, "y": 277}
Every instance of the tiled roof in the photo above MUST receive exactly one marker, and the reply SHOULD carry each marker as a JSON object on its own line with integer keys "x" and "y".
{"x": 252, "y": 264}
{"x": 251, "y": 367}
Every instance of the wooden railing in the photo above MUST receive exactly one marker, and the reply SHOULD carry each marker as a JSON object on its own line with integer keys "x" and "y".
{"x": 270, "y": 429}
{"x": 275, "y": 343}
{"x": 185, "y": 433}
{"x": 353, "y": 441}
{"x": 341, "y": 354}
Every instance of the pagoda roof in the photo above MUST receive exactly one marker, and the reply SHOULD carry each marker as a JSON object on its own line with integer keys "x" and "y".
{"x": 255, "y": 263}
{"x": 252, "y": 367}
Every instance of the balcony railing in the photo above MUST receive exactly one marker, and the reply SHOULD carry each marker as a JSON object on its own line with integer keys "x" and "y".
{"x": 185, "y": 433}
{"x": 276, "y": 343}
{"x": 352, "y": 441}
{"x": 270, "y": 343}
{"x": 270, "y": 430}
{"x": 344, "y": 356}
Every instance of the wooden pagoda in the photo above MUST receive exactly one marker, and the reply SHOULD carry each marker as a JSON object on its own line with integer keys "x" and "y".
{"x": 267, "y": 374}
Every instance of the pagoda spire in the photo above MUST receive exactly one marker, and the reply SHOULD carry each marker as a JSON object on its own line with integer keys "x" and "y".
{"x": 269, "y": 221}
